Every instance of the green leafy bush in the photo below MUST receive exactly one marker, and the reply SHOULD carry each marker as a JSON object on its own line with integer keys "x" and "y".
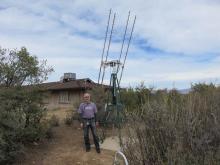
{"x": 21, "y": 109}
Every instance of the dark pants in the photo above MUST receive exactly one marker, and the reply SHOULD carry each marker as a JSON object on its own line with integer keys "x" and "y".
{"x": 90, "y": 123}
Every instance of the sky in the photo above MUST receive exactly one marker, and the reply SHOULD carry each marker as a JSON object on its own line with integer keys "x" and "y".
{"x": 175, "y": 43}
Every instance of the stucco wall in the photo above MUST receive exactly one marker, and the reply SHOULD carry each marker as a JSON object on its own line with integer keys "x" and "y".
{"x": 53, "y": 99}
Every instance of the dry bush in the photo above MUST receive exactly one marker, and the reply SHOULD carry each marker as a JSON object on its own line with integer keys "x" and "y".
{"x": 54, "y": 121}
{"x": 176, "y": 129}
{"x": 69, "y": 119}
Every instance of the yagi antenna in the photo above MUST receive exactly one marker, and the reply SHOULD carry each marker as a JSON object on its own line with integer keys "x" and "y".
{"x": 104, "y": 60}
{"x": 114, "y": 109}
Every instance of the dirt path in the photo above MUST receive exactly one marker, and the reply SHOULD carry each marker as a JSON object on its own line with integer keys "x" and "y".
{"x": 66, "y": 148}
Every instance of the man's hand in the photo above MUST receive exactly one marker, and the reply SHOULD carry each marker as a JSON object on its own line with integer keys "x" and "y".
{"x": 97, "y": 124}
{"x": 81, "y": 125}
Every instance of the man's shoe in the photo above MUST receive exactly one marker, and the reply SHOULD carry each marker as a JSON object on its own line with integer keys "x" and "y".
{"x": 98, "y": 150}
{"x": 87, "y": 149}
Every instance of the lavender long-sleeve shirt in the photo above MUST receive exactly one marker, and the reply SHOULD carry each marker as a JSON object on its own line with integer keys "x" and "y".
{"x": 87, "y": 110}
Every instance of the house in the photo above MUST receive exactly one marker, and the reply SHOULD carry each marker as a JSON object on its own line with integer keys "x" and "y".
{"x": 67, "y": 92}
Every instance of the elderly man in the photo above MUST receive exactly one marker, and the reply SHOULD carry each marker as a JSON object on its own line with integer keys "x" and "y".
{"x": 87, "y": 111}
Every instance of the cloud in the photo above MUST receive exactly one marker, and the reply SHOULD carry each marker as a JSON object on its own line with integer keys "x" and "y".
{"x": 173, "y": 41}
{"x": 164, "y": 71}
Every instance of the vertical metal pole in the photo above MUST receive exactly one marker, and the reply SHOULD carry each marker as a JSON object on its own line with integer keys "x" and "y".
{"x": 114, "y": 91}
{"x": 127, "y": 49}
{"x": 109, "y": 43}
{"x": 122, "y": 46}
{"x": 103, "y": 50}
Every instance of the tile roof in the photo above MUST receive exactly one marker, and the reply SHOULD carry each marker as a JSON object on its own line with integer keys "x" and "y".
{"x": 73, "y": 84}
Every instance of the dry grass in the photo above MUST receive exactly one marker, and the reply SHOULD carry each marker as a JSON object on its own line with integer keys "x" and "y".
{"x": 60, "y": 113}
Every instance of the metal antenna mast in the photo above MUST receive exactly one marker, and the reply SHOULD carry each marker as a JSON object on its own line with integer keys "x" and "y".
{"x": 103, "y": 50}
{"x": 127, "y": 50}
{"x": 109, "y": 43}
{"x": 114, "y": 110}
{"x": 114, "y": 113}
{"x": 122, "y": 46}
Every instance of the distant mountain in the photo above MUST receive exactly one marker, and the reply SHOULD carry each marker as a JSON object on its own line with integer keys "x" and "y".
{"x": 184, "y": 91}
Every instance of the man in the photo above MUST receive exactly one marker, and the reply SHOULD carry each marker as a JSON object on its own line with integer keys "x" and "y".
{"x": 87, "y": 111}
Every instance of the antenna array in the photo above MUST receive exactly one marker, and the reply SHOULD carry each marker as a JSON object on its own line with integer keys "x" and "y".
{"x": 114, "y": 113}
{"x": 105, "y": 51}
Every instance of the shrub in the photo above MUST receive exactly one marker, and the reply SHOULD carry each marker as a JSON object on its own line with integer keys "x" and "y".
{"x": 176, "y": 129}
{"x": 99, "y": 97}
{"x": 75, "y": 116}
{"x": 49, "y": 134}
{"x": 69, "y": 119}
{"x": 21, "y": 108}
{"x": 54, "y": 121}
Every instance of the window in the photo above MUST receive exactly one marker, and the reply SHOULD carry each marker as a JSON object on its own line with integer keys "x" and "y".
{"x": 64, "y": 97}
